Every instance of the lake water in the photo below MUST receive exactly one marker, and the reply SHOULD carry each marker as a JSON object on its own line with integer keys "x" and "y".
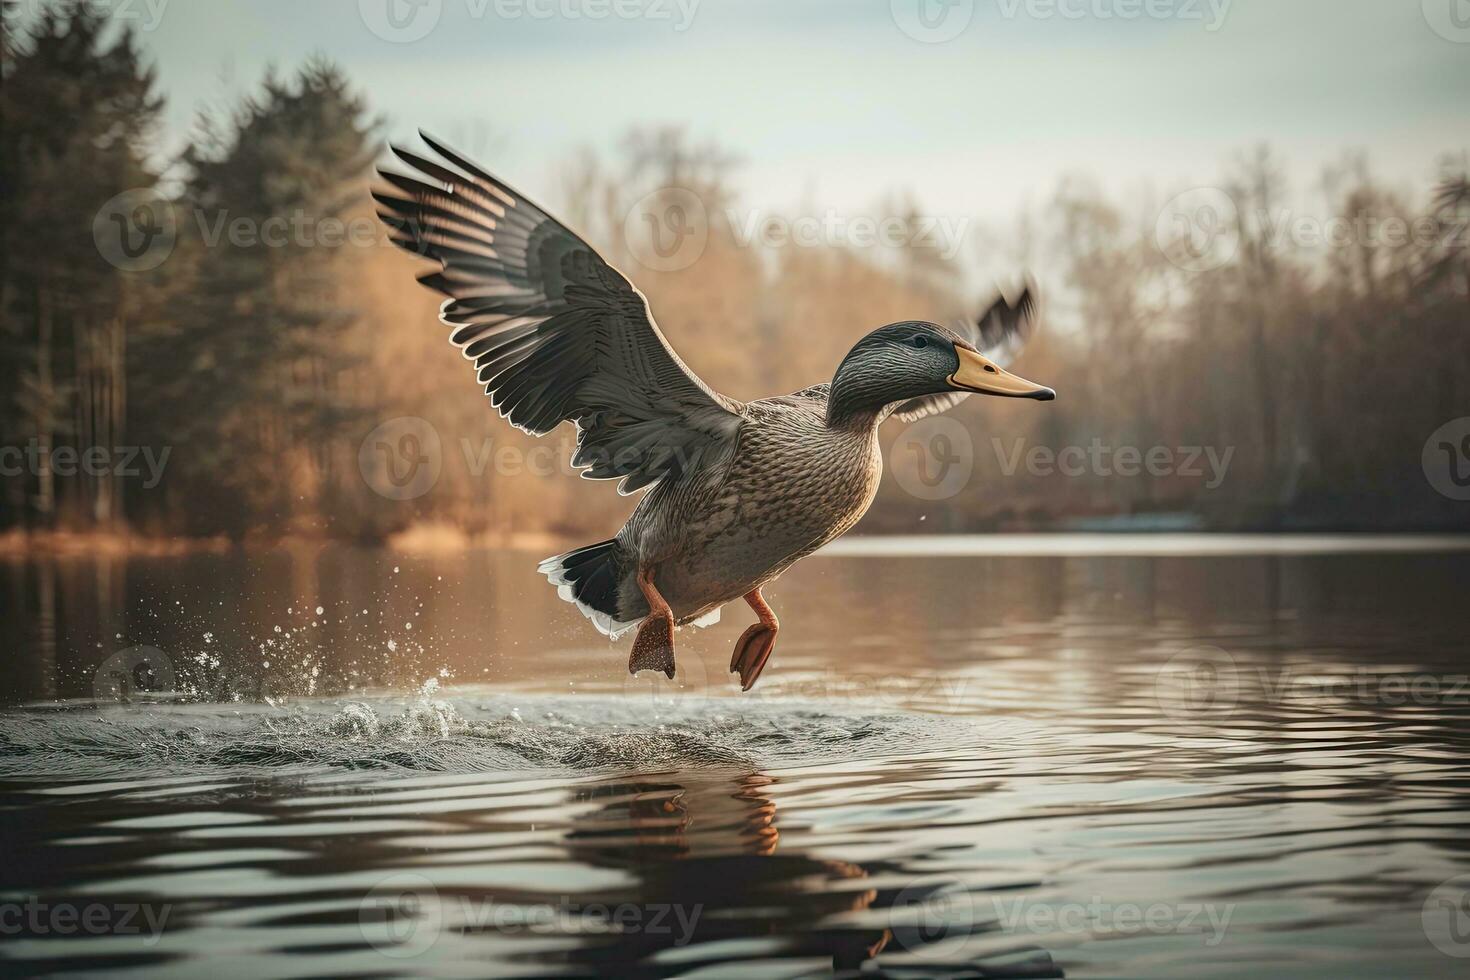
{"x": 1120, "y": 757}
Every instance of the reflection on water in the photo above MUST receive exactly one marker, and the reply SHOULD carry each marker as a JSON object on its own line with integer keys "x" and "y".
{"x": 1021, "y": 765}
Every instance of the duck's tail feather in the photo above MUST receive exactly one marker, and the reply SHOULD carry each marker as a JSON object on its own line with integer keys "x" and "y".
{"x": 590, "y": 578}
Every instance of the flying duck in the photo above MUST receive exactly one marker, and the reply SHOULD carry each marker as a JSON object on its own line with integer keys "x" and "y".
{"x": 736, "y": 492}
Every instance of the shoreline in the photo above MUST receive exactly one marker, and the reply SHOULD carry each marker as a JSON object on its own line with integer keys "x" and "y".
{"x": 427, "y": 539}
{"x": 418, "y": 539}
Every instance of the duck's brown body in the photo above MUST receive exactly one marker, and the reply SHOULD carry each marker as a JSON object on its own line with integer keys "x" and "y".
{"x": 793, "y": 485}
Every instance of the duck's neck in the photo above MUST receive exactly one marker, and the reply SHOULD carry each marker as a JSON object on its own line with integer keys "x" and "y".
{"x": 858, "y": 401}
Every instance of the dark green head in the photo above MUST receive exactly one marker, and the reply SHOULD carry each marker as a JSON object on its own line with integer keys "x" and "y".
{"x": 913, "y": 359}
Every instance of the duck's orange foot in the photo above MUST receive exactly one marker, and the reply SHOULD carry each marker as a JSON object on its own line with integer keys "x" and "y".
{"x": 752, "y": 651}
{"x": 653, "y": 649}
{"x": 754, "y": 647}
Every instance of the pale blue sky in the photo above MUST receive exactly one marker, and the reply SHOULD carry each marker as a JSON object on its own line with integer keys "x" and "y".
{"x": 831, "y": 102}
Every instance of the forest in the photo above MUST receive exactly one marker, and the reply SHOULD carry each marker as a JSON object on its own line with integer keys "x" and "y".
{"x": 221, "y": 344}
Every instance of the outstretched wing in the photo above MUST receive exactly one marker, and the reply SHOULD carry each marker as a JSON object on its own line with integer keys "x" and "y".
{"x": 555, "y": 332}
{"x": 999, "y": 333}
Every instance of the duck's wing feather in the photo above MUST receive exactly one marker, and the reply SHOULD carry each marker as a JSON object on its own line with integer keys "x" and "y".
{"x": 555, "y": 332}
{"x": 999, "y": 333}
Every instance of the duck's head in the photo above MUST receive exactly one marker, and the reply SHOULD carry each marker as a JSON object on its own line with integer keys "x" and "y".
{"x": 913, "y": 359}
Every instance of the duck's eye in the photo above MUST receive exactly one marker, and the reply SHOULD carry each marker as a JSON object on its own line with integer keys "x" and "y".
{"x": 920, "y": 342}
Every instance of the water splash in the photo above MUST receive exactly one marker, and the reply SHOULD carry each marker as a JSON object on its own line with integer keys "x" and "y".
{"x": 428, "y": 733}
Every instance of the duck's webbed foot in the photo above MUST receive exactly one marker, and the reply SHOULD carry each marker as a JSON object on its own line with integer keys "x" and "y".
{"x": 653, "y": 648}
{"x": 754, "y": 647}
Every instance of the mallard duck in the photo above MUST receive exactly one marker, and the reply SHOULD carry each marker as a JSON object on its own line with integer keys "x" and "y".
{"x": 736, "y": 492}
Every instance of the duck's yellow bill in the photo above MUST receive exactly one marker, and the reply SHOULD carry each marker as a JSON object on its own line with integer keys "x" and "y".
{"x": 980, "y": 374}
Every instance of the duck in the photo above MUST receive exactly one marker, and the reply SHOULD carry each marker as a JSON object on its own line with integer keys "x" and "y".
{"x": 732, "y": 493}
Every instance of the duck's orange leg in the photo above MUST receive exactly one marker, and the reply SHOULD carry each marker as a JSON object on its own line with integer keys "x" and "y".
{"x": 653, "y": 648}
{"x": 754, "y": 647}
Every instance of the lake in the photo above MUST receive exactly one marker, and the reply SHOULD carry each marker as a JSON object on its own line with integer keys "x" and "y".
{"x": 1002, "y": 757}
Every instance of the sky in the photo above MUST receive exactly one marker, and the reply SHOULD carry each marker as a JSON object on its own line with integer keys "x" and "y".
{"x": 976, "y": 106}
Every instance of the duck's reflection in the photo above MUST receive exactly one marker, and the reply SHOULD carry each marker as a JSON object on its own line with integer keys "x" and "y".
{"x": 706, "y": 856}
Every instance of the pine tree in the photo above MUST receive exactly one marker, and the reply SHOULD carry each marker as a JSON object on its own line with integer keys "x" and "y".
{"x": 78, "y": 112}
{"x": 257, "y": 342}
